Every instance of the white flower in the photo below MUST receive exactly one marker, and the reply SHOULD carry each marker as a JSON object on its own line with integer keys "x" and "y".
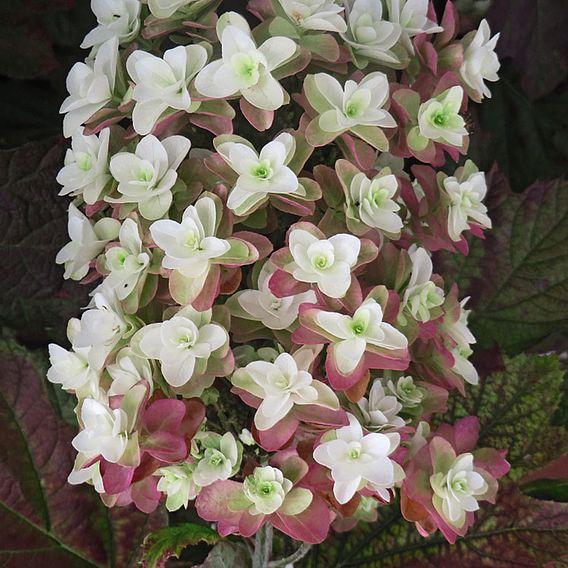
{"x": 73, "y": 370}
{"x": 218, "y": 461}
{"x": 325, "y": 262}
{"x": 87, "y": 474}
{"x": 190, "y": 245}
{"x": 266, "y": 489}
{"x": 480, "y": 62}
{"x": 87, "y": 241}
{"x": 321, "y": 15}
{"x": 90, "y": 86}
{"x": 101, "y": 327}
{"x": 380, "y": 411}
{"x": 439, "y": 119}
{"x": 246, "y": 437}
{"x": 260, "y": 175}
{"x": 462, "y": 365}
{"x": 355, "y": 104}
{"x": 456, "y": 492}
{"x": 371, "y": 201}
{"x": 244, "y": 68}
{"x": 459, "y": 330}
{"x": 166, "y": 8}
{"x": 104, "y": 431}
{"x": 370, "y": 36}
{"x": 406, "y": 391}
{"x": 466, "y": 203}
{"x": 126, "y": 262}
{"x": 162, "y": 83}
{"x": 180, "y": 342}
{"x": 281, "y": 385}
{"x": 128, "y": 370}
{"x": 177, "y": 483}
{"x": 412, "y": 16}
{"x": 421, "y": 294}
{"x": 85, "y": 172}
{"x": 147, "y": 176}
{"x": 262, "y": 305}
{"x": 354, "y": 333}
{"x": 118, "y": 19}
{"x": 357, "y": 461}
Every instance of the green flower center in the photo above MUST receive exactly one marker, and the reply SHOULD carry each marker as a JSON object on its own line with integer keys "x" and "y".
{"x": 263, "y": 170}
{"x": 84, "y": 161}
{"x": 378, "y": 196}
{"x": 440, "y": 118}
{"x": 320, "y": 261}
{"x": 358, "y": 327}
{"x": 459, "y": 485}
{"x": 146, "y": 174}
{"x": 245, "y": 67}
{"x": 216, "y": 459}
{"x": 191, "y": 241}
{"x": 264, "y": 488}
{"x": 354, "y": 453}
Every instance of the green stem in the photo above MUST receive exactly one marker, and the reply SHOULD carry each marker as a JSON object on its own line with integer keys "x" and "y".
{"x": 262, "y": 547}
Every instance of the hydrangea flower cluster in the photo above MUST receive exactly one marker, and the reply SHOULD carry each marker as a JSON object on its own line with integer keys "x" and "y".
{"x": 267, "y": 338}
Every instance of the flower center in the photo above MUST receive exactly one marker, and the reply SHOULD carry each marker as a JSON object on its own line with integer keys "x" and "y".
{"x": 246, "y": 67}
{"x": 84, "y": 161}
{"x": 276, "y": 304}
{"x": 355, "y": 453}
{"x": 378, "y": 196}
{"x": 185, "y": 339}
{"x": 440, "y": 118}
{"x": 358, "y": 327}
{"x": 145, "y": 174}
{"x": 263, "y": 170}
{"x": 352, "y": 109}
{"x": 191, "y": 241}
{"x": 264, "y": 488}
{"x": 321, "y": 261}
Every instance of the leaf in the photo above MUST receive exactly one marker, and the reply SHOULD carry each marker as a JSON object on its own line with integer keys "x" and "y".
{"x": 44, "y": 519}
{"x": 34, "y": 298}
{"x": 549, "y": 482}
{"x": 533, "y": 35}
{"x": 171, "y": 541}
{"x": 226, "y": 555}
{"x": 518, "y": 276}
{"x": 515, "y": 407}
{"x": 528, "y": 139}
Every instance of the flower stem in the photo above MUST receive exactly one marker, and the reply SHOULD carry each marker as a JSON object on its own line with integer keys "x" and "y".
{"x": 262, "y": 547}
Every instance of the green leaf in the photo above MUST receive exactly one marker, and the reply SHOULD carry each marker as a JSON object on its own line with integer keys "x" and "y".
{"x": 171, "y": 541}
{"x": 548, "y": 489}
{"x": 518, "y": 275}
{"x": 515, "y": 407}
{"x": 34, "y": 299}
{"x": 44, "y": 519}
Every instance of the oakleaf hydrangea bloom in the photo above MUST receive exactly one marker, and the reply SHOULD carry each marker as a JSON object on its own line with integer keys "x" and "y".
{"x": 72, "y": 369}
{"x": 87, "y": 241}
{"x": 351, "y": 106}
{"x": 126, "y": 262}
{"x": 480, "y": 62}
{"x": 412, "y": 17}
{"x": 118, "y": 19}
{"x": 127, "y": 371}
{"x": 321, "y": 15}
{"x": 161, "y": 83}
{"x": 104, "y": 431}
{"x": 463, "y": 366}
{"x": 280, "y": 386}
{"x": 456, "y": 490}
{"x": 85, "y": 172}
{"x": 260, "y": 174}
{"x": 220, "y": 459}
{"x": 266, "y": 490}
{"x": 325, "y": 262}
{"x": 182, "y": 343}
{"x": 262, "y": 305}
{"x": 176, "y": 482}
{"x": 371, "y": 37}
{"x": 380, "y": 410}
{"x": 146, "y": 177}
{"x": 245, "y": 68}
{"x": 439, "y": 119}
{"x": 422, "y": 295}
{"x": 166, "y": 8}
{"x": 406, "y": 391}
{"x": 359, "y": 460}
{"x": 191, "y": 246}
{"x": 371, "y": 202}
{"x": 466, "y": 203}
{"x": 91, "y": 87}
{"x": 354, "y": 333}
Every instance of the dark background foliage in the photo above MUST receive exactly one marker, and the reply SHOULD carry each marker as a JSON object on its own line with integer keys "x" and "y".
{"x": 517, "y": 277}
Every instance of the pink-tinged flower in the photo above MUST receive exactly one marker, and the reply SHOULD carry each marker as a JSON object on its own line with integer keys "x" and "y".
{"x": 358, "y": 342}
{"x": 310, "y": 258}
{"x": 447, "y": 477}
{"x": 274, "y": 494}
{"x": 358, "y": 461}
{"x": 285, "y": 394}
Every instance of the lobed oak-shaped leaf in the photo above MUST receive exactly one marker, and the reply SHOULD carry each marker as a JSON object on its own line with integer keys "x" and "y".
{"x": 45, "y": 521}
{"x": 518, "y": 275}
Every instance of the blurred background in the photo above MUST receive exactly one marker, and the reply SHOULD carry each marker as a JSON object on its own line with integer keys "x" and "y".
{"x": 518, "y": 279}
